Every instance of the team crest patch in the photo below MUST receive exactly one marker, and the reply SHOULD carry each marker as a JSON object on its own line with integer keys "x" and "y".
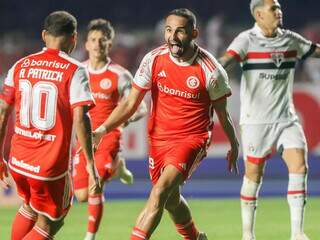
{"x": 105, "y": 83}
{"x": 277, "y": 58}
{"x": 193, "y": 82}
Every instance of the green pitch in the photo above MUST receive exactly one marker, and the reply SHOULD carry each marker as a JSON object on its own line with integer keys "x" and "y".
{"x": 220, "y": 219}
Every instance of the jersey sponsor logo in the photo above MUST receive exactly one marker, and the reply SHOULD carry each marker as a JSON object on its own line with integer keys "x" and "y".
{"x": 105, "y": 83}
{"x": 176, "y": 92}
{"x": 22, "y": 164}
{"x": 162, "y": 74}
{"x": 34, "y": 135}
{"x": 269, "y": 76}
{"x": 101, "y": 95}
{"x": 193, "y": 82}
{"x": 44, "y": 63}
{"x": 278, "y": 58}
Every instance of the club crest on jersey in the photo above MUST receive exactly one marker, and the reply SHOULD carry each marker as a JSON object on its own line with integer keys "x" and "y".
{"x": 105, "y": 83}
{"x": 277, "y": 58}
{"x": 193, "y": 82}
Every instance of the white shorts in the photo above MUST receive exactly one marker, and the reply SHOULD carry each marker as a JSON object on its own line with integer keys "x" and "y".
{"x": 259, "y": 140}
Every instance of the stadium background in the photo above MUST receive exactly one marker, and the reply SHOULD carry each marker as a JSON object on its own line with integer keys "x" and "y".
{"x": 138, "y": 30}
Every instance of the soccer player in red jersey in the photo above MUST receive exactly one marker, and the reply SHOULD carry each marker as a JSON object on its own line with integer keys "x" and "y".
{"x": 50, "y": 93}
{"x": 268, "y": 55}
{"x": 187, "y": 85}
{"x": 110, "y": 83}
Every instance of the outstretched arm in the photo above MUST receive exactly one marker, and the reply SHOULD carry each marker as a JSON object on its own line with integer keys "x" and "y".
{"x": 225, "y": 120}
{"x": 120, "y": 114}
{"x": 227, "y": 61}
{"x": 5, "y": 110}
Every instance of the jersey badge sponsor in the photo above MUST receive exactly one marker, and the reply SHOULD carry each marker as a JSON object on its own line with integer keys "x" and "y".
{"x": 26, "y": 63}
{"x": 277, "y": 58}
{"x": 105, "y": 83}
{"x": 193, "y": 82}
{"x": 162, "y": 74}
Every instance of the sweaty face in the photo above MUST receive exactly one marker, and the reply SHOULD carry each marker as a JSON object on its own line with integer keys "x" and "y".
{"x": 178, "y": 35}
{"x": 271, "y": 14}
{"x": 98, "y": 45}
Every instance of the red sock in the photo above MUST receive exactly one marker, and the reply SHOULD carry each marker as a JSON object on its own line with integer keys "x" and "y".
{"x": 22, "y": 224}
{"x": 138, "y": 234}
{"x": 95, "y": 211}
{"x": 37, "y": 234}
{"x": 188, "y": 230}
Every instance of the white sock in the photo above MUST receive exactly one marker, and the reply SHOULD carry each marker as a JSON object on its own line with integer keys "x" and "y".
{"x": 249, "y": 196}
{"x": 296, "y": 200}
{"x": 90, "y": 236}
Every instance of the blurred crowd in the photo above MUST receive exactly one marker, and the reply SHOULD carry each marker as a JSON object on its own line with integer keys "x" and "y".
{"x": 131, "y": 45}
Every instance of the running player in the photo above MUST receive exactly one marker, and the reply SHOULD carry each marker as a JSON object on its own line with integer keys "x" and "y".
{"x": 110, "y": 83}
{"x": 268, "y": 55}
{"x": 50, "y": 92}
{"x": 187, "y": 84}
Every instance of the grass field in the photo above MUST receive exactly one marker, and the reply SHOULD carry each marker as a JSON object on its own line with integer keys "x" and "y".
{"x": 220, "y": 219}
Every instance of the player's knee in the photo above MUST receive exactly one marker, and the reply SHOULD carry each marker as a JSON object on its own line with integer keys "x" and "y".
{"x": 254, "y": 174}
{"x": 81, "y": 196}
{"x": 159, "y": 194}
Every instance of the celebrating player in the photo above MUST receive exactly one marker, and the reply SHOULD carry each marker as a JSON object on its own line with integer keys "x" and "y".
{"x": 268, "y": 55}
{"x": 187, "y": 84}
{"x": 110, "y": 83}
{"x": 49, "y": 91}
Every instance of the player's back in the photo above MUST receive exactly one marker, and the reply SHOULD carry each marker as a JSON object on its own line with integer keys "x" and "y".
{"x": 43, "y": 106}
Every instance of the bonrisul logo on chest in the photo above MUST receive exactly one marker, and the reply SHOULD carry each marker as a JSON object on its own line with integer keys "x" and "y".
{"x": 277, "y": 58}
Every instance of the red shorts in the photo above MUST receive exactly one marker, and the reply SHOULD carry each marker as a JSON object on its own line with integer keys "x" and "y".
{"x": 49, "y": 198}
{"x": 105, "y": 160}
{"x": 185, "y": 156}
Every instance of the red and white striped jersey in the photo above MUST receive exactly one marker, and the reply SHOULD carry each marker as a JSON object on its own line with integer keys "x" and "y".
{"x": 44, "y": 88}
{"x": 181, "y": 93}
{"x": 108, "y": 85}
{"x": 268, "y": 66}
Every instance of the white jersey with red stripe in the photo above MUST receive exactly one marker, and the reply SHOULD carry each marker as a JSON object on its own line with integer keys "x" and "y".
{"x": 268, "y": 66}
{"x": 181, "y": 92}
{"x": 44, "y": 88}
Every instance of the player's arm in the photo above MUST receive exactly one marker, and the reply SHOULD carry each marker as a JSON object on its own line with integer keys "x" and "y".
{"x": 120, "y": 114}
{"x": 83, "y": 129}
{"x": 228, "y": 61}
{"x": 316, "y": 52}
{"x": 140, "y": 113}
{"x": 5, "y": 110}
{"x": 220, "y": 107}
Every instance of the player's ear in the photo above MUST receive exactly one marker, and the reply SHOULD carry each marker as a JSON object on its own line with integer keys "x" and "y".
{"x": 195, "y": 33}
{"x": 43, "y": 35}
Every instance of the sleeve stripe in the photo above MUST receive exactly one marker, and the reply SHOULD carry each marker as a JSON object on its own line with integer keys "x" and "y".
{"x": 208, "y": 62}
{"x": 138, "y": 87}
{"x": 89, "y": 103}
{"x": 235, "y": 54}
{"x": 310, "y": 52}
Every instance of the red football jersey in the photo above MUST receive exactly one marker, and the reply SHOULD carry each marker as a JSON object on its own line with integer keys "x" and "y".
{"x": 108, "y": 85}
{"x": 182, "y": 93}
{"x": 44, "y": 87}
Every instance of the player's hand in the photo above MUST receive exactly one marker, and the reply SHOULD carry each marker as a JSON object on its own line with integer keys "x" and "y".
{"x": 4, "y": 175}
{"x": 232, "y": 157}
{"x": 96, "y": 139}
{"x": 94, "y": 180}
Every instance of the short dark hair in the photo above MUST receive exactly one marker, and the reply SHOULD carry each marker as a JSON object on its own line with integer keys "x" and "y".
{"x": 60, "y": 23}
{"x": 186, "y": 13}
{"x": 102, "y": 25}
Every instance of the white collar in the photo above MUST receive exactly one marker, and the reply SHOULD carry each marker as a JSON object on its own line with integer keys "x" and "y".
{"x": 260, "y": 32}
{"x": 101, "y": 70}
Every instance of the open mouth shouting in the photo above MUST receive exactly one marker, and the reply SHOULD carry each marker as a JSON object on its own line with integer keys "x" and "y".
{"x": 176, "y": 48}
